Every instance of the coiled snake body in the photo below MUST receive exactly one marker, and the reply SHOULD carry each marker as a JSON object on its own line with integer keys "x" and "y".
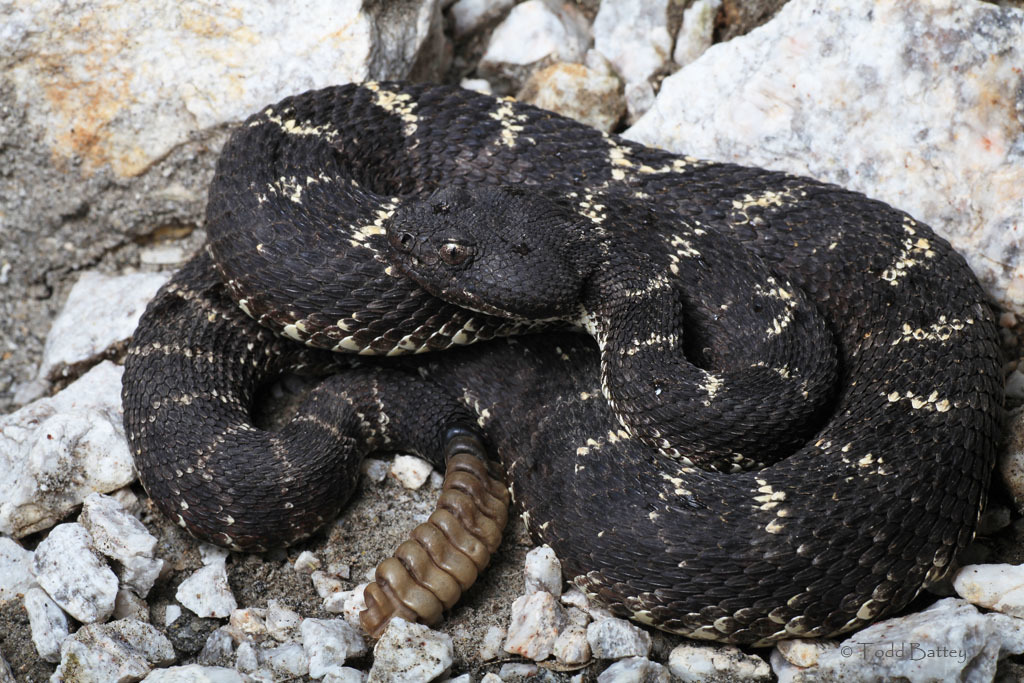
{"x": 786, "y": 427}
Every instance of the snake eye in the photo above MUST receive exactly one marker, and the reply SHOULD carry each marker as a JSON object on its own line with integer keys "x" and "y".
{"x": 454, "y": 253}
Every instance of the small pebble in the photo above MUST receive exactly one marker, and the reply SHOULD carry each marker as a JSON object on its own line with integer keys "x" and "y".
{"x": 48, "y": 623}
{"x": 249, "y": 620}
{"x": 571, "y": 646}
{"x": 543, "y": 572}
{"x": 328, "y": 643}
{"x": 282, "y": 623}
{"x": 617, "y": 638}
{"x": 306, "y": 563}
{"x": 325, "y": 584}
{"x": 171, "y": 614}
{"x": 73, "y": 574}
{"x": 375, "y": 470}
{"x": 410, "y": 653}
{"x": 490, "y": 646}
{"x": 410, "y": 471}
{"x": 206, "y": 592}
{"x": 534, "y": 626}
{"x": 635, "y": 670}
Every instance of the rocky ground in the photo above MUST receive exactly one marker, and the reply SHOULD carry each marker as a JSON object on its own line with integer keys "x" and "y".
{"x": 99, "y": 177}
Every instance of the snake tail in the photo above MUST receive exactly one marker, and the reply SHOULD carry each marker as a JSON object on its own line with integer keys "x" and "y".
{"x": 429, "y": 573}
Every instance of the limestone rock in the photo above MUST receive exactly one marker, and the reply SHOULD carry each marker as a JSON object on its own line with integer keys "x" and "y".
{"x": 56, "y": 451}
{"x": 101, "y": 311}
{"x": 121, "y": 84}
{"x": 410, "y": 653}
{"x": 124, "y": 650}
{"x": 71, "y": 572}
{"x": 931, "y": 93}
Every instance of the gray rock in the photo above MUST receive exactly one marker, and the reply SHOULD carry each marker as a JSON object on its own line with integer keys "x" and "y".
{"x": 194, "y": 673}
{"x": 937, "y": 117}
{"x": 56, "y": 451}
{"x": 470, "y": 15}
{"x": 1011, "y": 460}
{"x": 329, "y": 643}
{"x": 120, "y": 536}
{"x": 120, "y": 651}
{"x": 248, "y": 657}
{"x": 950, "y": 640}
{"x": 74, "y": 575}
{"x": 219, "y": 649}
{"x": 6, "y": 675}
{"x": 534, "y": 625}
{"x": 15, "y": 569}
{"x": 101, "y": 311}
{"x": 716, "y": 663}
{"x": 634, "y": 36}
{"x": 206, "y": 592}
{"x": 48, "y": 622}
{"x": 617, "y": 638}
{"x": 635, "y": 670}
{"x": 410, "y": 653}
{"x": 697, "y": 31}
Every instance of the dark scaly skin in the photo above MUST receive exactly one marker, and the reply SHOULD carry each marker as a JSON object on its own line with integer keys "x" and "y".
{"x": 846, "y": 530}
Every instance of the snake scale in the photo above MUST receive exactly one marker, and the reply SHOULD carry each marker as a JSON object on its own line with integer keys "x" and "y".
{"x": 781, "y": 422}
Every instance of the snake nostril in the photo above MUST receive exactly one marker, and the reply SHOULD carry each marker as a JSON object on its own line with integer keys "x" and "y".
{"x": 405, "y": 240}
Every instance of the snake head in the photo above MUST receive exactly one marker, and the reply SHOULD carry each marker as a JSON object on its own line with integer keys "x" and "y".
{"x": 490, "y": 249}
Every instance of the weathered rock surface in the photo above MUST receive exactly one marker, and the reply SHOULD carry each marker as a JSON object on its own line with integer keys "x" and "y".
{"x": 932, "y": 93}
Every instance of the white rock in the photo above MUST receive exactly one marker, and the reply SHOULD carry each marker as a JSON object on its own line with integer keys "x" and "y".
{"x": 48, "y": 622}
{"x": 171, "y": 614}
{"x": 306, "y": 563}
{"x": 124, "y": 650}
{"x": 128, "y": 605}
{"x": 635, "y": 670}
{"x": 998, "y": 587}
{"x": 206, "y": 592}
{"x": 480, "y": 85}
{"x": 411, "y": 471}
{"x": 120, "y": 536}
{"x": 15, "y": 569}
{"x": 194, "y": 673}
{"x": 6, "y": 675}
{"x": 697, "y": 31}
{"x": 571, "y": 646}
{"x": 1015, "y": 385}
{"x": 532, "y": 34}
{"x": 634, "y": 36}
{"x": 950, "y": 640}
{"x": 345, "y": 675}
{"x": 617, "y": 638}
{"x": 163, "y": 255}
{"x": 876, "y": 97}
{"x": 534, "y": 626}
{"x": 517, "y": 670}
{"x": 101, "y": 311}
{"x": 716, "y": 663}
{"x": 287, "y": 661}
{"x": 348, "y": 603}
{"x": 470, "y": 15}
{"x": 803, "y": 653}
{"x": 325, "y": 584}
{"x": 282, "y": 623}
{"x": 169, "y": 70}
{"x": 574, "y": 597}
{"x": 73, "y": 574}
{"x": 328, "y": 643}
{"x": 410, "y": 653}
{"x": 1011, "y": 461}
{"x": 492, "y": 678}
{"x": 249, "y": 620}
{"x": 56, "y": 451}
{"x": 543, "y": 571}
{"x": 490, "y": 646}
{"x": 464, "y": 678}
